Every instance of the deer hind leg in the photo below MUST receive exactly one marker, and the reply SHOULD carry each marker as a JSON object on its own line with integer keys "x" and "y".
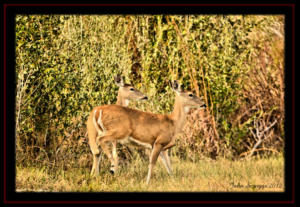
{"x": 153, "y": 158}
{"x": 93, "y": 131}
{"x": 104, "y": 142}
{"x": 95, "y": 168}
{"x": 166, "y": 161}
{"x": 94, "y": 136}
{"x": 114, "y": 164}
{"x": 96, "y": 158}
{"x": 102, "y": 133}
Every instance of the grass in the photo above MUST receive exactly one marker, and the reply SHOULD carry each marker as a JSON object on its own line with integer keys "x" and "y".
{"x": 254, "y": 175}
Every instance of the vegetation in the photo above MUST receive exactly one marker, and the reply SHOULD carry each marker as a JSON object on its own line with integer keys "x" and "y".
{"x": 65, "y": 66}
{"x": 208, "y": 175}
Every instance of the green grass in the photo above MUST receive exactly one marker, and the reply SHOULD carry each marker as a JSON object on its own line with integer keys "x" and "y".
{"x": 204, "y": 176}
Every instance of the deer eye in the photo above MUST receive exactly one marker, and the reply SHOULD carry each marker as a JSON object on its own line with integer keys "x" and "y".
{"x": 190, "y": 95}
{"x": 131, "y": 89}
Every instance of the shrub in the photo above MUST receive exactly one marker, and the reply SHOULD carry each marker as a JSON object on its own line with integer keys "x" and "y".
{"x": 65, "y": 66}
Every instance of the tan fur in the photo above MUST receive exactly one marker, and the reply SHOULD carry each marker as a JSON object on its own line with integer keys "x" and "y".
{"x": 96, "y": 129}
{"x": 155, "y": 129}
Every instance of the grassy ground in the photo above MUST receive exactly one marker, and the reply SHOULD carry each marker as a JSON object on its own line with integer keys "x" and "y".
{"x": 206, "y": 175}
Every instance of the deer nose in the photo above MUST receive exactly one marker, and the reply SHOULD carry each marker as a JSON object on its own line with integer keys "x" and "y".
{"x": 145, "y": 98}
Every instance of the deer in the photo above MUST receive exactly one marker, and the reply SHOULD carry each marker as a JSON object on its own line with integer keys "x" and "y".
{"x": 158, "y": 131}
{"x": 126, "y": 93}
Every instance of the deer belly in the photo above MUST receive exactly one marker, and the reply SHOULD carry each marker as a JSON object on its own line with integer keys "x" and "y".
{"x": 144, "y": 144}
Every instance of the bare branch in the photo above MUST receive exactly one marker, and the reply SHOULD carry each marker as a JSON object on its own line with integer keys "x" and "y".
{"x": 267, "y": 129}
{"x": 260, "y": 134}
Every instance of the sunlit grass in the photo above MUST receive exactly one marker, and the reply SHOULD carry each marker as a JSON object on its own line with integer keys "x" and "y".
{"x": 204, "y": 176}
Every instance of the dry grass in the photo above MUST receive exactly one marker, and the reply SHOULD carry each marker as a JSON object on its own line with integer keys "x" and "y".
{"x": 254, "y": 175}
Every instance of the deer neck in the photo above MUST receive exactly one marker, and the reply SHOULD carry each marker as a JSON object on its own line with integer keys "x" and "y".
{"x": 122, "y": 101}
{"x": 179, "y": 115}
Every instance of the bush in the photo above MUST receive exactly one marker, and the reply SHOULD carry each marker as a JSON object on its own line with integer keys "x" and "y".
{"x": 65, "y": 66}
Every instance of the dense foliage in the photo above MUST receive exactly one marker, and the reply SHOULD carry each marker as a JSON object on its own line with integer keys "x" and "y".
{"x": 65, "y": 66}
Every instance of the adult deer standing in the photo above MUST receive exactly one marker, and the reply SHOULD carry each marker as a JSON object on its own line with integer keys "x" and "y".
{"x": 126, "y": 93}
{"x": 157, "y": 130}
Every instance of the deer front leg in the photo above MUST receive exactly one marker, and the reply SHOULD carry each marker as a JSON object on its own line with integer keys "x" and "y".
{"x": 168, "y": 161}
{"x": 153, "y": 158}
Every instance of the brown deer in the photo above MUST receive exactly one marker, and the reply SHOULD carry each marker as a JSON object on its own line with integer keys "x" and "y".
{"x": 126, "y": 93}
{"x": 156, "y": 130}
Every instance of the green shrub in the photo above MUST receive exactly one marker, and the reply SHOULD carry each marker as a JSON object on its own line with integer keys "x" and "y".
{"x": 65, "y": 66}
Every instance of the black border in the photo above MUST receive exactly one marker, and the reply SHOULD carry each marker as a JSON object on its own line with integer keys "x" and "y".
{"x": 10, "y": 196}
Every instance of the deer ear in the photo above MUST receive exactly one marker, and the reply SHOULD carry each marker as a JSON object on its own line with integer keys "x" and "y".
{"x": 176, "y": 86}
{"x": 119, "y": 80}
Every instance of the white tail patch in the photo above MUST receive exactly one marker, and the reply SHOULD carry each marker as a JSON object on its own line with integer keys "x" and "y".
{"x": 100, "y": 122}
{"x": 101, "y": 132}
